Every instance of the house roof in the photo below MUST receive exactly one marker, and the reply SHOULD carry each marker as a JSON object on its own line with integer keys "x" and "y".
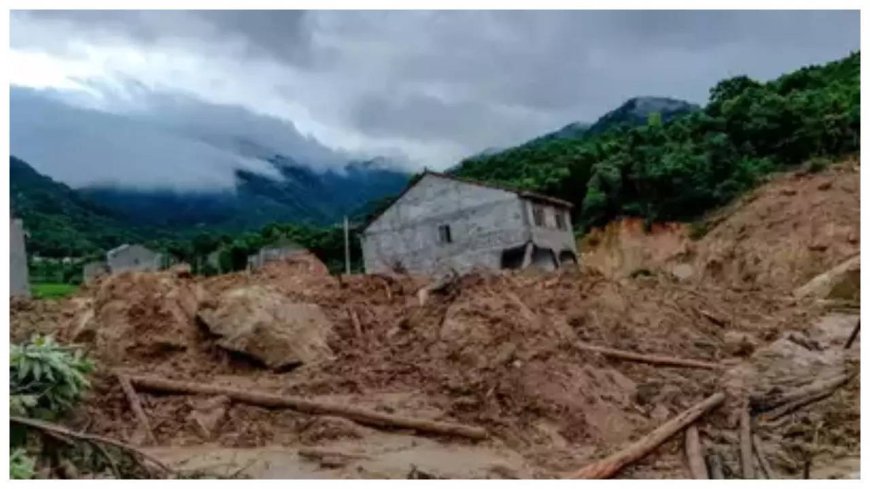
{"x": 522, "y": 193}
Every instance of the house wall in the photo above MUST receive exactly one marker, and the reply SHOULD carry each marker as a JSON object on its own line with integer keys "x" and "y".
{"x": 268, "y": 254}
{"x": 94, "y": 270}
{"x": 548, "y": 235}
{"x": 134, "y": 257}
{"x": 19, "y": 285}
{"x": 483, "y": 222}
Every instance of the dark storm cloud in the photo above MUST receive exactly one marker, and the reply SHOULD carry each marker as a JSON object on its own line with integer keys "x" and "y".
{"x": 438, "y": 86}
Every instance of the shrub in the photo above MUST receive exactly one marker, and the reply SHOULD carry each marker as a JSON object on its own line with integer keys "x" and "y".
{"x": 46, "y": 378}
{"x": 21, "y": 465}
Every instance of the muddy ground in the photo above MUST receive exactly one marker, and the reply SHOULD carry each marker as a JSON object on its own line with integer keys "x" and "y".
{"x": 494, "y": 350}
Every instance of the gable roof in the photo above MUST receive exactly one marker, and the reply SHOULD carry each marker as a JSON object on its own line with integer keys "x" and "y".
{"x": 521, "y": 193}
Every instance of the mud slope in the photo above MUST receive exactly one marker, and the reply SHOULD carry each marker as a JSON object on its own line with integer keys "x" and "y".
{"x": 777, "y": 237}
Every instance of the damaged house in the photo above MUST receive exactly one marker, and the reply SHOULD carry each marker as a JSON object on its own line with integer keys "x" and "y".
{"x": 442, "y": 223}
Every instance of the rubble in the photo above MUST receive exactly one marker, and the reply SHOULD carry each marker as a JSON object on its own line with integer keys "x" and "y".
{"x": 526, "y": 357}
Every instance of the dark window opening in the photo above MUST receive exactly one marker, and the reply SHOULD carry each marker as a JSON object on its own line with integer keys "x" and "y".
{"x": 538, "y": 214}
{"x": 560, "y": 220}
{"x": 444, "y": 236}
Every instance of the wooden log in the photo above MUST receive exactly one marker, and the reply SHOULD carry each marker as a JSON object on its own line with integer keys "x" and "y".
{"x": 695, "y": 454}
{"x": 362, "y": 416}
{"x": 714, "y": 460}
{"x": 761, "y": 404}
{"x": 609, "y": 466}
{"x": 136, "y": 406}
{"x": 652, "y": 359}
{"x": 746, "y": 462}
{"x": 762, "y": 459}
{"x": 853, "y": 335}
{"x": 95, "y": 439}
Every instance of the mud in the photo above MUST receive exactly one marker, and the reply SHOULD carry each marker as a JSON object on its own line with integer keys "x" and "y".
{"x": 495, "y": 350}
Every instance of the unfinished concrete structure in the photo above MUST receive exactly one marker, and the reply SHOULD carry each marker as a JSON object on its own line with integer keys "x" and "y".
{"x": 274, "y": 252}
{"x": 19, "y": 281}
{"x": 441, "y": 223}
{"x": 133, "y": 257}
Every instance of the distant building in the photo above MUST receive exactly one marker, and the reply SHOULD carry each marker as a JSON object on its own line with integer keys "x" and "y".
{"x": 133, "y": 257}
{"x": 19, "y": 284}
{"x": 93, "y": 270}
{"x": 442, "y": 223}
{"x": 274, "y": 252}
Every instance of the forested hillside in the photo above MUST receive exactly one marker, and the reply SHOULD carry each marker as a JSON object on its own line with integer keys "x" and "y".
{"x": 59, "y": 221}
{"x": 682, "y": 168}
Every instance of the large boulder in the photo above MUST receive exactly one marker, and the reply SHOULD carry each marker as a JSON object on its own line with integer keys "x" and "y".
{"x": 264, "y": 324}
{"x": 841, "y": 282}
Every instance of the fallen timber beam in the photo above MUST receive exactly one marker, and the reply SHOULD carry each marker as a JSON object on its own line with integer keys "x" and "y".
{"x": 652, "y": 359}
{"x": 362, "y": 416}
{"x": 609, "y": 466}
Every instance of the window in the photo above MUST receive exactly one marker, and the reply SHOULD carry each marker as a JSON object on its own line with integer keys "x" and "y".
{"x": 538, "y": 215}
{"x": 560, "y": 220}
{"x": 444, "y": 236}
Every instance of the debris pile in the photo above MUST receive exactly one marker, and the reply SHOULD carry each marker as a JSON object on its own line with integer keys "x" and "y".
{"x": 574, "y": 373}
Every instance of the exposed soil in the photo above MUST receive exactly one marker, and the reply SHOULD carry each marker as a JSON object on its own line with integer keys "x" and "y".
{"x": 497, "y": 350}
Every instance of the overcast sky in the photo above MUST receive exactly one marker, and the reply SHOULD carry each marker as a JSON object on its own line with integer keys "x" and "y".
{"x": 424, "y": 88}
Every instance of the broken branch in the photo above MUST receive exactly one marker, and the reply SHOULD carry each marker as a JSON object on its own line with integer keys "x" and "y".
{"x": 609, "y": 466}
{"x": 652, "y": 359}
{"x": 762, "y": 459}
{"x": 362, "y": 416}
{"x": 136, "y": 406}
{"x": 767, "y": 403}
{"x": 95, "y": 439}
{"x": 853, "y": 335}
{"x": 746, "y": 443}
{"x": 695, "y": 454}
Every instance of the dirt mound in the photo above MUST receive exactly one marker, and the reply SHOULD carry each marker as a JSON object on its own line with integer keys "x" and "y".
{"x": 145, "y": 315}
{"x": 627, "y": 247}
{"x": 264, "y": 324}
{"x": 786, "y": 232}
{"x": 779, "y": 236}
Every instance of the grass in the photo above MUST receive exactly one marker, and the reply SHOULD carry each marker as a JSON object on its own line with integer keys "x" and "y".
{"x": 52, "y": 290}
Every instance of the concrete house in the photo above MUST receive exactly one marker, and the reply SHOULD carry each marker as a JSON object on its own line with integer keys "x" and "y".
{"x": 274, "y": 252}
{"x": 442, "y": 223}
{"x": 94, "y": 270}
{"x": 133, "y": 257}
{"x": 19, "y": 285}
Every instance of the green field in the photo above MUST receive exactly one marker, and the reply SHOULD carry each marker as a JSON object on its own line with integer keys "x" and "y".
{"x": 52, "y": 290}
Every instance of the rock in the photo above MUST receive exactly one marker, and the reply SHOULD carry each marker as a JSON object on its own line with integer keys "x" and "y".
{"x": 683, "y": 271}
{"x": 208, "y": 414}
{"x": 841, "y": 282}
{"x": 739, "y": 344}
{"x": 264, "y": 324}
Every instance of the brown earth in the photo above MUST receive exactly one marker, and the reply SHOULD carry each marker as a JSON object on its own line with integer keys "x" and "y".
{"x": 495, "y": 350}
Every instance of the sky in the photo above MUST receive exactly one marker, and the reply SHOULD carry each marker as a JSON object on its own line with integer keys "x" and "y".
{"x": 181, "y": 98}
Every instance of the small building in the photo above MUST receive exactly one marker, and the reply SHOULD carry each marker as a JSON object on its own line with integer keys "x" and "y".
{"x": 441, "y": 223}
{"x": 19, "y": 281}
{"x": 133, "y": 257}
{"x": 274, "y": 252}
{"x": 94, "y": 270}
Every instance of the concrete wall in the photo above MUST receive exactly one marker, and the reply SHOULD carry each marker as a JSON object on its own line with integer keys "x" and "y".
{"x": 267, "y": 254}
{"x": 548, "y": 235}
{"x": 133, "y": 257}
{"x": 483, "y": 222}
{"x": 19, "y": 285}
{"x": 93, "y": 270}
